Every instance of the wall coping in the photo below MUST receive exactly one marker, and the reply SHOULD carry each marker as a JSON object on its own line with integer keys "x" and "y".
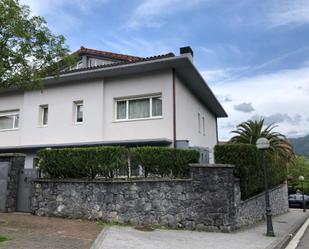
{"x": 42, "y": 180}
{"x": 208, "y": 165}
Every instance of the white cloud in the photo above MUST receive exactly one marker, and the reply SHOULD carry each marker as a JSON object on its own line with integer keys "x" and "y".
{"x": 288, "y": 12}
{"x": 138, "y": 46}
{"x": 272, "y": 93}
{"x": 244, "y": 107}
{"x": 149, "y": 12}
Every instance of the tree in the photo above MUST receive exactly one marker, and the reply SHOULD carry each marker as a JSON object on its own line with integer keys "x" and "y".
{"x": 250, "y": 131}
{"x": 299, "y": 167}
{"x": 28, "y": 50}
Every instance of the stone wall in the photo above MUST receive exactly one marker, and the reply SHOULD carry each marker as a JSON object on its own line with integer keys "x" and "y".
{"x": 16, "y": 164}
{"x": 210, "y": 200}
{"x": 204, "y": 202}
{"x": 252, "y": 210}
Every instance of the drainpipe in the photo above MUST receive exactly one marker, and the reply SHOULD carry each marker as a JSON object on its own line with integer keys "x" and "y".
{"x": 174, "y": 108}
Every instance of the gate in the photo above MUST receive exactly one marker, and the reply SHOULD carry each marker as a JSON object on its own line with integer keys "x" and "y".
{"x": 24, "y": 189}
{"x": 4, "y": 169}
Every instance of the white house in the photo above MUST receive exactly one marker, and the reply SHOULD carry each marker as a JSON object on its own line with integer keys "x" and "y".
{"x": 113, "y": 99}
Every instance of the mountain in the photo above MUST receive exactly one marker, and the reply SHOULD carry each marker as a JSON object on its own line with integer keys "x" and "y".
{"x": 301, "y": 145}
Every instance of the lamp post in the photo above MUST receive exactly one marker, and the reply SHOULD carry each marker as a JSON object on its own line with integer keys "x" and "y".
{"x": 302, "y": 179}
{"x": 263, "y": 144}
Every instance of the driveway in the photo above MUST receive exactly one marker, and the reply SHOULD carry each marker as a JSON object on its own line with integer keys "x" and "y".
{"x": 33, "y": 232}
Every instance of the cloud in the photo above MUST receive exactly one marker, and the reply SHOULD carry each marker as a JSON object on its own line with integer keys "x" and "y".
{"x": 279, "y": 118}
{"x": 244, "y": 107}
{"x": 287, "y": 12}
{"x": 150, "y": 13}
{"x": 272, "y": 93}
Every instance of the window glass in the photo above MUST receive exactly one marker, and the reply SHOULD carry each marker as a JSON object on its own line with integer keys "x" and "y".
{"x": 121, "y": 109}
{"x": 9, "y": 121}
{"x": 139, "y": 108}
{"x": 199, "y": 122}
{"x": 156, "y": 106}
{"x": 43, "y": 115}
{"x": 203, "y": 125}
{"x": 79, "y": 113}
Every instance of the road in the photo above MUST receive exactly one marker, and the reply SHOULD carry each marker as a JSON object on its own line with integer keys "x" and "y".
{"x": 304, "y": 242}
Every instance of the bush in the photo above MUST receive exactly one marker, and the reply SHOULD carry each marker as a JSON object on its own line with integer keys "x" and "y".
{"x": 82, "y": 162}
{"x": 164, "y": 161}
{"x": 248, "y": 168}
{"x": 106, "y": 161}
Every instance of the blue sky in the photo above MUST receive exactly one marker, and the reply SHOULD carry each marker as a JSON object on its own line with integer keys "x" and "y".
{"x": 253, "y": 54}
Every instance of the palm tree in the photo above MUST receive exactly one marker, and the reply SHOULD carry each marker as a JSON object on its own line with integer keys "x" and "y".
{"x": 250, "y": 131}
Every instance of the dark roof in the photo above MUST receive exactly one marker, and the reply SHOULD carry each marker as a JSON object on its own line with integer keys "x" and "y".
{"x": 116, "y": 56}
{"x": 156, "y": 57}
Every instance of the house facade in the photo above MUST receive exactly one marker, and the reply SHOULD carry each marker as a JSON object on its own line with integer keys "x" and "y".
{"x": 113, "y": 99}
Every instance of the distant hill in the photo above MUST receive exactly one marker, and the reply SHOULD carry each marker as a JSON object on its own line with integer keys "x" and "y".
{"x": 301, "y": 145}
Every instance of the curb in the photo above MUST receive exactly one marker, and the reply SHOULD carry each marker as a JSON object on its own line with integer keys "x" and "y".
{"x": 98, "y": 243}
{"x": 282, "y": 242}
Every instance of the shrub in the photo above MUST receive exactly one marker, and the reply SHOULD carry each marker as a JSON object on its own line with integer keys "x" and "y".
{"x": 164, "y": 161}
{"x": 248, "y": 168}
{"x": 82, "y": 162}
{"x": 105, "y": 161}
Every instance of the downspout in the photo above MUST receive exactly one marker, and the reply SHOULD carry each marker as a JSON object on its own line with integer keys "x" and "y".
{"x": 174, "y": 108}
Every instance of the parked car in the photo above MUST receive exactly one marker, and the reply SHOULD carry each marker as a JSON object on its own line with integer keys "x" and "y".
{"x": 296, "y": 200}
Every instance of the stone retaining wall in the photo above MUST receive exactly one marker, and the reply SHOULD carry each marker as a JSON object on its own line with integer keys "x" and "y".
{"x": 207, "y": 201}
{"x": 252, "y": 210}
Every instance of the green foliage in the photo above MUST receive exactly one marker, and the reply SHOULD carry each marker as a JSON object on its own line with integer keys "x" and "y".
{"x": 164, "y": 161}
{"x": 82, "y": 162}
{"x": 28, "y": 49}
{"x": 250, "y": 131}
{"x": 106, "y": 161}
{"x": 299, "y": 167}
{"x": 248, "y": 167}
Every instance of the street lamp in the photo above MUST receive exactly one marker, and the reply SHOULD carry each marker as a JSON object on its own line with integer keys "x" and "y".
{"x": 302, "y": 179}
{"x": 263, "y": 144}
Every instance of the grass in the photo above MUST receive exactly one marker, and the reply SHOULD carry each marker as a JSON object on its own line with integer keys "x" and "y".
{"x": 3, "y": 238}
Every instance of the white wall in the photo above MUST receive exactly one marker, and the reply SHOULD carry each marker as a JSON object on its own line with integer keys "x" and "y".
{"x": 138, "y": 85}
{"x": 187, "y": 109}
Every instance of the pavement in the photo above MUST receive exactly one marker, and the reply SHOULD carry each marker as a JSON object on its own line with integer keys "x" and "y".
{"x": 26, "y": 231}
{"x": 285, "y": 226}
{"x": 304, "y": 242}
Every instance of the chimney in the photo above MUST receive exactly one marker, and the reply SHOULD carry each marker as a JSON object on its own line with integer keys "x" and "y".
{"x": 187, "y": 51}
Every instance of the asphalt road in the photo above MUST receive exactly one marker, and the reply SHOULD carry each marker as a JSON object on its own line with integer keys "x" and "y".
{"x": 304, "y": 242}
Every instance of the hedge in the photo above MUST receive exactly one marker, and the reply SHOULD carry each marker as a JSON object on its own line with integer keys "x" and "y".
{"x": 165, "y": 162}
{"x": 104, "y": 161}
{"x": 247, "y": 161}
{"x": 82, "y": 162}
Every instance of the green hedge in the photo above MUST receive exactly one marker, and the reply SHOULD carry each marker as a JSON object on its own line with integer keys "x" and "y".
{"x": 247, "y": 161}
{"x": 82, "y": 162}
{"x": 106, "y": 161}
{"x": 164, "y": 161}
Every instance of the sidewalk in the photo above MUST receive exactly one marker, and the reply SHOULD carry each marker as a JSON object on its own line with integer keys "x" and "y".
{"x": 117, "y": 237}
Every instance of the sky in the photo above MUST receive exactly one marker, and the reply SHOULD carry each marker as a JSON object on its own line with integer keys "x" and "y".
{"x": 253, "y": 54}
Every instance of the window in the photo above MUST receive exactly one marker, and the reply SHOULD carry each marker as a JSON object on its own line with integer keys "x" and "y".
{"x": 139, "y": 108}
{"x": 9, "y": 120}
{"x": 43, "y": 115}
{"x": 203, "y": 119}
{"x": 199, "y": 122}
{"x": 79, "y": 112}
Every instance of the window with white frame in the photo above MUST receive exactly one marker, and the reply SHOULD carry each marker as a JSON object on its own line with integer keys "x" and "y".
{"x": 139, "y": 108}
{"x": 9, "y": 120}
{"x": 43, "y": 119}
{"x": 78, "y": 112}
